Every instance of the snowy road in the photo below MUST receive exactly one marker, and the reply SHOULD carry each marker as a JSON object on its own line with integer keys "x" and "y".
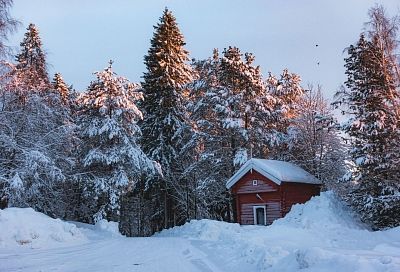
{"x": 111, "y": 255}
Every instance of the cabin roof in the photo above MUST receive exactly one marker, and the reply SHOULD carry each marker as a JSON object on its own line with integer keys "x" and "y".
{"x": 276, "y": 171}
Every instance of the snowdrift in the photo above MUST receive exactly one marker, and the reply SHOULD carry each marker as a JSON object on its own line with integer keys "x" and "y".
{"x": 23, "y": 227}
{"x": 320, "y": 235}
{"x": 101, "y": 230}
{"x": 322, "y": 212}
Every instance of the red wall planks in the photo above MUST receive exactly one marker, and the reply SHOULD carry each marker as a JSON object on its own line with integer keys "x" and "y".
{"x": 278, "y": 199}
{"x": 245, "y": 185}
{"x": 297, "y": 193}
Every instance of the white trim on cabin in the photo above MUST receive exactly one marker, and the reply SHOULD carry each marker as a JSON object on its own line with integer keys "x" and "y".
{"x": 255, "y": 214}
{"x": 250, "y": 165}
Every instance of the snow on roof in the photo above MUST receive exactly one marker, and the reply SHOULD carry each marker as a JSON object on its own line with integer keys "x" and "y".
{"x": 277, "y": 171}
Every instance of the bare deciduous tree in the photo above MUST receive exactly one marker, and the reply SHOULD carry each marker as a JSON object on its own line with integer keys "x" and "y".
{"x": 7, "y": 26}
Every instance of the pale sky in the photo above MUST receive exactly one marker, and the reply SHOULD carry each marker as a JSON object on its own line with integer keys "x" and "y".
{"x": 80, "y": 36}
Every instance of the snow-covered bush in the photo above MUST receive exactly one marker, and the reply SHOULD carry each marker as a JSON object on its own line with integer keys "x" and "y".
{"x": 27, "y": 228}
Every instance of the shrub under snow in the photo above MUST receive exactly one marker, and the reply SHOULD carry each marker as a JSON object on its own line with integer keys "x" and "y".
{"x": 108, "y": 226}
{"x": 28, "y": 228}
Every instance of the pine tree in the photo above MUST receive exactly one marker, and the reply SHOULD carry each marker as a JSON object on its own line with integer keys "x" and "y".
{"x": 61, "y": 88}
{"x": 231, "y": 110}
{"x": 371, "y": 95}
{"x": 32, "y": 60}
{"x": 166, "y": 125}
{"x": 32, "y": 54}
{"x": 29, "y": 74}
{"x": 109, "y": 151}
{"x": 243, "y": 104}
{"x": 287, "y": 93}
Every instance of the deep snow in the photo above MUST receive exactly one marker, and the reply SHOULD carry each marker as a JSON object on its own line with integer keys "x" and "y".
{"x": 320, "y": 235}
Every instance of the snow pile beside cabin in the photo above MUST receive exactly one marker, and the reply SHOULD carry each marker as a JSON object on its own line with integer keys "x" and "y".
{"x": 321, "y": 212}
{"x": 27, "y": 228}
{"x": 320, "y": 235}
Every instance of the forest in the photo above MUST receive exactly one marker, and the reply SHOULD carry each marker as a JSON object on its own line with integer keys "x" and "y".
{"x": 157, "y": 153}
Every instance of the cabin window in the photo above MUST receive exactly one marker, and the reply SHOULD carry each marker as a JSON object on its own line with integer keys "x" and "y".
{"x": 255, "y": 182}
{"x": 260, "y": 215}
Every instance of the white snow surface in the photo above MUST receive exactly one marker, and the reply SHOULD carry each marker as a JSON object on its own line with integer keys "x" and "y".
{"x": 321, "y": 235}
{"x": 277, "y": 171}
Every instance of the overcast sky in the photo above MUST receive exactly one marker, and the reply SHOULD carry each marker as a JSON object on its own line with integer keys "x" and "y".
{"x": 80, "y": 36}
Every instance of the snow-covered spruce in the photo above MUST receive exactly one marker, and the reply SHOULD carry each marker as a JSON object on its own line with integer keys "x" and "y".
{"x": 110, "y": 154}
{"x": 371, "y": 99}
{"x": 166, "y": 125}
{"x": 236, "y": 115}
{"x": 31, "y": 66}
{"x": 230, "y": 108}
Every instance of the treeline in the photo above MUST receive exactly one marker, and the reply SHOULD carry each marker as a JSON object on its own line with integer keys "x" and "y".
{"x": 156, "y": 154}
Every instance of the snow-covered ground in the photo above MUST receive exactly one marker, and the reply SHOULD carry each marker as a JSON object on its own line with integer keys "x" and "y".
{"x": 320, "y": 235}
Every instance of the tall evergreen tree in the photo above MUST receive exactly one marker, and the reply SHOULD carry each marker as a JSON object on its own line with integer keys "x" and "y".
{"x": 243, "y": 105}
{"x": 231, "y": 110}
{"x": 32, "y": 60}
{"x": 288, "y": 93}
{"x": 165, "y": 124}
{"x": 29, "y": 74}
{"x": 371, "y": 98}
{"x": 109, "y": 151}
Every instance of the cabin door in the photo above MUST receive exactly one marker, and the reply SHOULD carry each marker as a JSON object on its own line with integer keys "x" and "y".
{"x": 260, "y": 215}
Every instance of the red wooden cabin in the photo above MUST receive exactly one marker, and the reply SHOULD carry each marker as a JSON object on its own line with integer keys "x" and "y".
{"x": 265, "y": 190}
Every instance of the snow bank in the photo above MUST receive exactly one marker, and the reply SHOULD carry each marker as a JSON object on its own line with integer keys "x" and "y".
{"x": 321, "y": 212}
{"x": 321, "y": 235}
{"x": 109, "y": 227}
{"x": 23, "y": 227}
{"x": 103, "y": 229}
{"x": 203, "y": 230}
